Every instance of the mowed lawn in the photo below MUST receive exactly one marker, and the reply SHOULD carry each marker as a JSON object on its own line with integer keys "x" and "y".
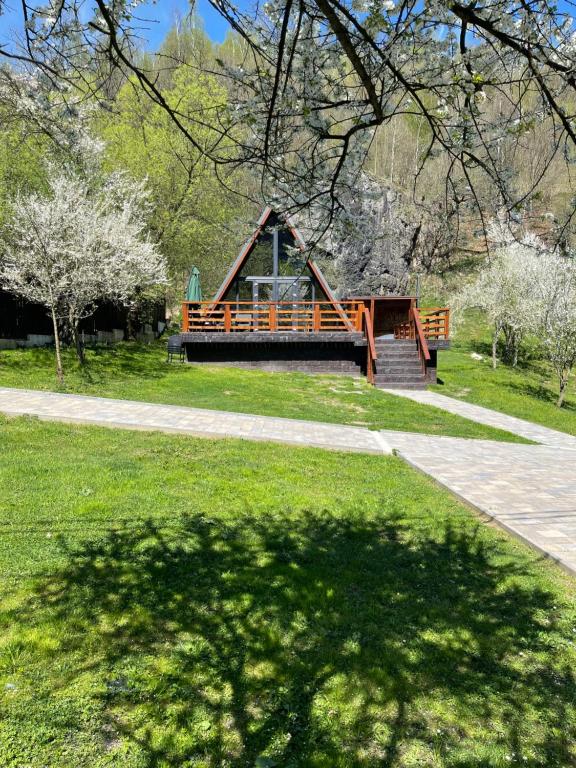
{"x": 528, "y": 391}
{"x": 167, "y": 601}
{"x": 140, "y": 372}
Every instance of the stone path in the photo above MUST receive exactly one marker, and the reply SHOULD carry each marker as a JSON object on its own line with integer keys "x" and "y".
{"x": 528, "y": 489}
{"x": 491, "y": 418}
{"x": 130, "y": 414}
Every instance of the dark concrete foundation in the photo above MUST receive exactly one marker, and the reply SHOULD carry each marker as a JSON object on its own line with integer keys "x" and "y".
{"x": 432, "y": 364}
{"x": 328, "y": 353}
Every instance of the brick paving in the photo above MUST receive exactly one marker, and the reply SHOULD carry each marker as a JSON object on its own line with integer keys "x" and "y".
{"x": 129, "y": 414}
{"x": 527, "y": 429}
{"x": 528, "y": 489}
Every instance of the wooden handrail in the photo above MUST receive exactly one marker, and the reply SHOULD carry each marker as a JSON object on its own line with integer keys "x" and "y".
{"x": 422, "y": 344}
{"x": 369, "y": 333}
{"x": 371, "y": 355}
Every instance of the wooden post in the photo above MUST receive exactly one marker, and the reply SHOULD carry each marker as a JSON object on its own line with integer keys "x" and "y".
{"x": 272, "y": 322}
{"x": 185, "y": 317}
{"x": 227, "y": 318}
{"x": 317, "y": 321}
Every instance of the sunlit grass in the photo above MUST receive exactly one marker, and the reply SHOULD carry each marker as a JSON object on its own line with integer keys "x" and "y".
{"x": 167, "y": 601}
{"x": 140, "y": 372}
{"x": 528, "y": 391}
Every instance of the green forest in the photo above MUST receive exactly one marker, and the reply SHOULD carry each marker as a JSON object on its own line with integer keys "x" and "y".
{"x": 201, "y": 212}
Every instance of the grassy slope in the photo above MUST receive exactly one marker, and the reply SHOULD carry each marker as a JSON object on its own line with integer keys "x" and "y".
{"x": 137, "y": 372}
{"x": 529, "y": 391}
{"x": 167, "y": 601}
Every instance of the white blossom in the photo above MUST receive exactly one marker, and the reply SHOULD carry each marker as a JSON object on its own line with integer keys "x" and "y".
{"x": 79, "y": 245}
{"x": 527, "y": 288}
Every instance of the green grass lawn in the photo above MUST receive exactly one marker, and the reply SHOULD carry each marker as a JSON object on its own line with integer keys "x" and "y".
{"x": 176, "y": 602}
{"x": 528, "y": 391}
{"x": 140, "y": 372}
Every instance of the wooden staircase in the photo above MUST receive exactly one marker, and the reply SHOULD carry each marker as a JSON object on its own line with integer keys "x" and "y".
{"x": 398, "y": 364}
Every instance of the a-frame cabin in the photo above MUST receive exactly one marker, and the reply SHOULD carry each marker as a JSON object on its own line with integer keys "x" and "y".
{"x": 273, "y": 266}
{"x": 276, "y": 311}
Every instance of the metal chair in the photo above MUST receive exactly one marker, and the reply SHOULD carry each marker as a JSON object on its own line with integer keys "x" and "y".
{"x": 175, "y": 348}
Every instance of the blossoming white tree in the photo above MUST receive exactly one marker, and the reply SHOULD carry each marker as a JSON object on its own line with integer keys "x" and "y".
{"x": 78, "y": 245}
{"x": 505, "y": 290}
{"x": 528, "y": 289}
{"x": 558, "y": 319}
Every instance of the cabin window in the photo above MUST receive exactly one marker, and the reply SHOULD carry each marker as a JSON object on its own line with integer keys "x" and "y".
{"x": 275, "y": 270}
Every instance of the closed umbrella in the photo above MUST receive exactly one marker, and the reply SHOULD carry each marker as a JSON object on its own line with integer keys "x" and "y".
{"x": 194, "y": 292}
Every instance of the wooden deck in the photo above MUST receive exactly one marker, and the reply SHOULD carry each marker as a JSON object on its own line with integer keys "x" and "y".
{"x": 338, "y": 336}
{"x": 304, "y": 317}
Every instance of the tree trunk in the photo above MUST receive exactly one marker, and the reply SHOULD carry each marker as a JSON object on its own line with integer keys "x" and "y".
{"x": 511, "y": 346}
{"x": 393, "y": 152}
{"x": 495, "y": 347}
{"x": 77, "y": 342}
{"x": 59, "y": 369}
{"x": 564, "y": 376}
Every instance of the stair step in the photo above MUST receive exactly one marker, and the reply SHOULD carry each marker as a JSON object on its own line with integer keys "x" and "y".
{"x": 414, "y": 369}
{"x": 407, "y": 360}
{"x": 399, "y": 378}
{"x": 398, "y": 361}
{"x": 393, "y": 348}
{"x": 399, "y": 345}
{"x": 396, "y": 345}
{"x": 390, "y": 349}
{"x": 400, "y": 385}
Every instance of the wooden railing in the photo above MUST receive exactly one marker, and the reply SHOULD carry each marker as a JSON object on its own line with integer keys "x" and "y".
{"x": 372, "y": 356}
{"x": 435, "y": 323}
{"x": 421, "y": 343}
{"x": 414, "y": 329}
{"x": 288, "y": 316}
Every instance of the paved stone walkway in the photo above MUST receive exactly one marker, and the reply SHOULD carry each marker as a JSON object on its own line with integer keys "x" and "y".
{"x": 130, "y": 414}
{"x": 528, "y": 489}
{"x": 491, "y": 418}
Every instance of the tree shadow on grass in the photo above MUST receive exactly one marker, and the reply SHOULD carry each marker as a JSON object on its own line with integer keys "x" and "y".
{"x": 529, "y": 360}
{"x": 314, "y": 642}
{"x": 541, "y": 392}
{"x": 126, "y": 360}
{"x": 130, "y": 359}
{"x": 480, "y": 346}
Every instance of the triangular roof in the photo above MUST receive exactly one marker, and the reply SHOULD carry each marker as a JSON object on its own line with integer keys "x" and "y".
{"x": 249, "y": 246}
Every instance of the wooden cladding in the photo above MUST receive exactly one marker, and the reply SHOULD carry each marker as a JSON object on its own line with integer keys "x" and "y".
{"x": 288, "y": 316}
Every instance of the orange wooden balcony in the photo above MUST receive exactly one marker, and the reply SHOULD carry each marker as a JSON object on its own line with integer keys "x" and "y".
{"x": 287, "y": 316}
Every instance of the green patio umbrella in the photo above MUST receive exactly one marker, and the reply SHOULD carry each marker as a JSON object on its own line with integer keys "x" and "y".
{"x": 194, "y": 292}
